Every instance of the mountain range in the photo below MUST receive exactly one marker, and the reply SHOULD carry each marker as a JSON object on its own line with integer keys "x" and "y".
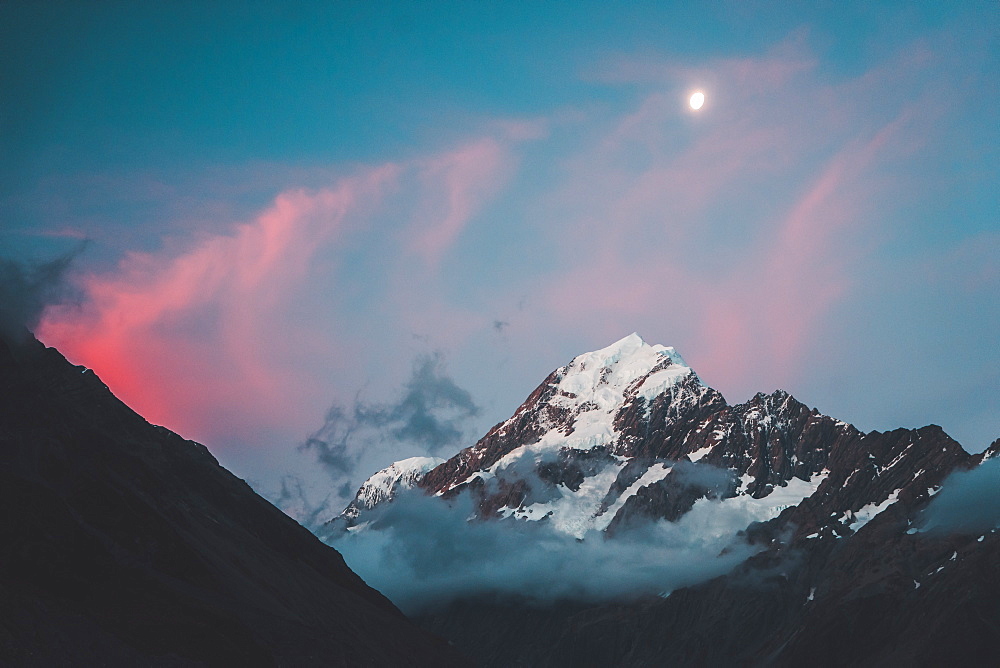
{"x": 624, "y": 515}
{"x": 824, "y": 538}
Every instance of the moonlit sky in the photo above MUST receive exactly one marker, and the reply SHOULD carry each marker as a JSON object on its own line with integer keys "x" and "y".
{"x": 288, "y": 205}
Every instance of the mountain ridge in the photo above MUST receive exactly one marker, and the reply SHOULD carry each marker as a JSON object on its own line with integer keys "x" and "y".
{"x": 127, "y": 544}
{"x": 770, "y": 442}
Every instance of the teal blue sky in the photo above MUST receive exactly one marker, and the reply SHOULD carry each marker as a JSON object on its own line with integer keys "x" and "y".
{"x": 287, "y": 203}
{"x": 179, "y": 85}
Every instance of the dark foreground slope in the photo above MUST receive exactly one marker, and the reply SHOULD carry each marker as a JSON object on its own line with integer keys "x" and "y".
{"x": 122, "y": 543}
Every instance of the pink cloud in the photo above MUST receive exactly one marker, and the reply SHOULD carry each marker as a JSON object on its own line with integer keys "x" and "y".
{"x": 195, "y": 341}
{"x": 457, "y": 183}
{"x": 732, "y": 233}
{"x": 240, "y": 332}
{"x": 798, "y": 276}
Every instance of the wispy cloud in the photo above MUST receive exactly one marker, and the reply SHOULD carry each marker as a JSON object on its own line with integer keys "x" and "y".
{"x": 430, "y": 417}
{"x": 469, "y": 176}
{"x": 422, "y": 551}
{"x": 195, "y": 339}
{"x": 235, "y": 333}
{"x": 734, "y": 232}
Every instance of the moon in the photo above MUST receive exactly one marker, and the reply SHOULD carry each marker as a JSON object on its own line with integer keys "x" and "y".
{"x": 697, "y": 100}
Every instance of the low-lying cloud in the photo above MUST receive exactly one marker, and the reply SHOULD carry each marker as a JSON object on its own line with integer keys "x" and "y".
{"x": 422, "y": 551}
{"x": 969, "y": 501}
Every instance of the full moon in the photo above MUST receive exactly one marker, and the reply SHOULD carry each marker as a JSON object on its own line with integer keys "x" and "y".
{"x": 697, "y": 99}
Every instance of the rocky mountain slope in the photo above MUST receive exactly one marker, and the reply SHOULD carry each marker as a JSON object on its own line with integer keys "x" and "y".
{"x": 124, "y": 544}
{"x": 628, "y": 436}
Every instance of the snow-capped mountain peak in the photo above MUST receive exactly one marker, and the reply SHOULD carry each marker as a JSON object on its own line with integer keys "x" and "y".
{"x": 624, "y": 453}
{"x": 601, "y": 409}
{"x": 609, "y": 439}
{"x": 601, "y": 379}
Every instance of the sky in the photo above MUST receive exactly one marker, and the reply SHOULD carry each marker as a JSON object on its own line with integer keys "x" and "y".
{"x": 291, "y": 219}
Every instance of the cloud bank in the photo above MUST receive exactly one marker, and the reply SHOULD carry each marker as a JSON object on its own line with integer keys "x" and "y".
{"x": 421, "y": 551}
{"x": 429, "y": 416}
{"x": 968, "y": 502}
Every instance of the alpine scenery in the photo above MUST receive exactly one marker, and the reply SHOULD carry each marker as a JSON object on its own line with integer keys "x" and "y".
{"x": 315, "y": 335}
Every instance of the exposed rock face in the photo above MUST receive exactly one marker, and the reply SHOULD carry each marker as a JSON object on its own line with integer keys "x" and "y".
{"x": 629, "y": 434}
{"x": 124, "y": 544}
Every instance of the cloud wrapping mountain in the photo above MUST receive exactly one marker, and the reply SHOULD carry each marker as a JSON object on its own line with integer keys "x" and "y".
{"x": 421, "y": 552}
{"x": 622, "y": 475}
{"x": 969, "y": 501}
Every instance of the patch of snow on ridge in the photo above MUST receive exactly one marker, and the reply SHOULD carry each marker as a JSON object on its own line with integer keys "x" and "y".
{"x": 700, "y": 453}
{"x": 659, "y": 382}
{"x": 402, "y": 474}
{"x": 780, "y": 498}
{"x": 654, "y": 473}
{"x": 868, "y": 512}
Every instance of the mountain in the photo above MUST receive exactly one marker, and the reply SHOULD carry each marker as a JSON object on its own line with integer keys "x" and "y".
{"x": 627, "y": 438}
{"x": 629, "y": 433}
{"x": 124, "y": 544}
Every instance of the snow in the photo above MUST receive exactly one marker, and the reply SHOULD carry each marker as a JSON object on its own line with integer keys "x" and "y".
{"x": 659, "y": 382}
{"x": 653, "y": 474}
{"x": 404, "y": 473}
{"x": 895, "y": 461}
{"x": 697, "y": 455}
{"x": 576, "y": 513}
{"x": 572, "y": 513}
{"x": 595, "y": 386}
{"x": 867, "y": 513}
{"x": 604, "y": 378}
{"x": 770, "y": 506}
